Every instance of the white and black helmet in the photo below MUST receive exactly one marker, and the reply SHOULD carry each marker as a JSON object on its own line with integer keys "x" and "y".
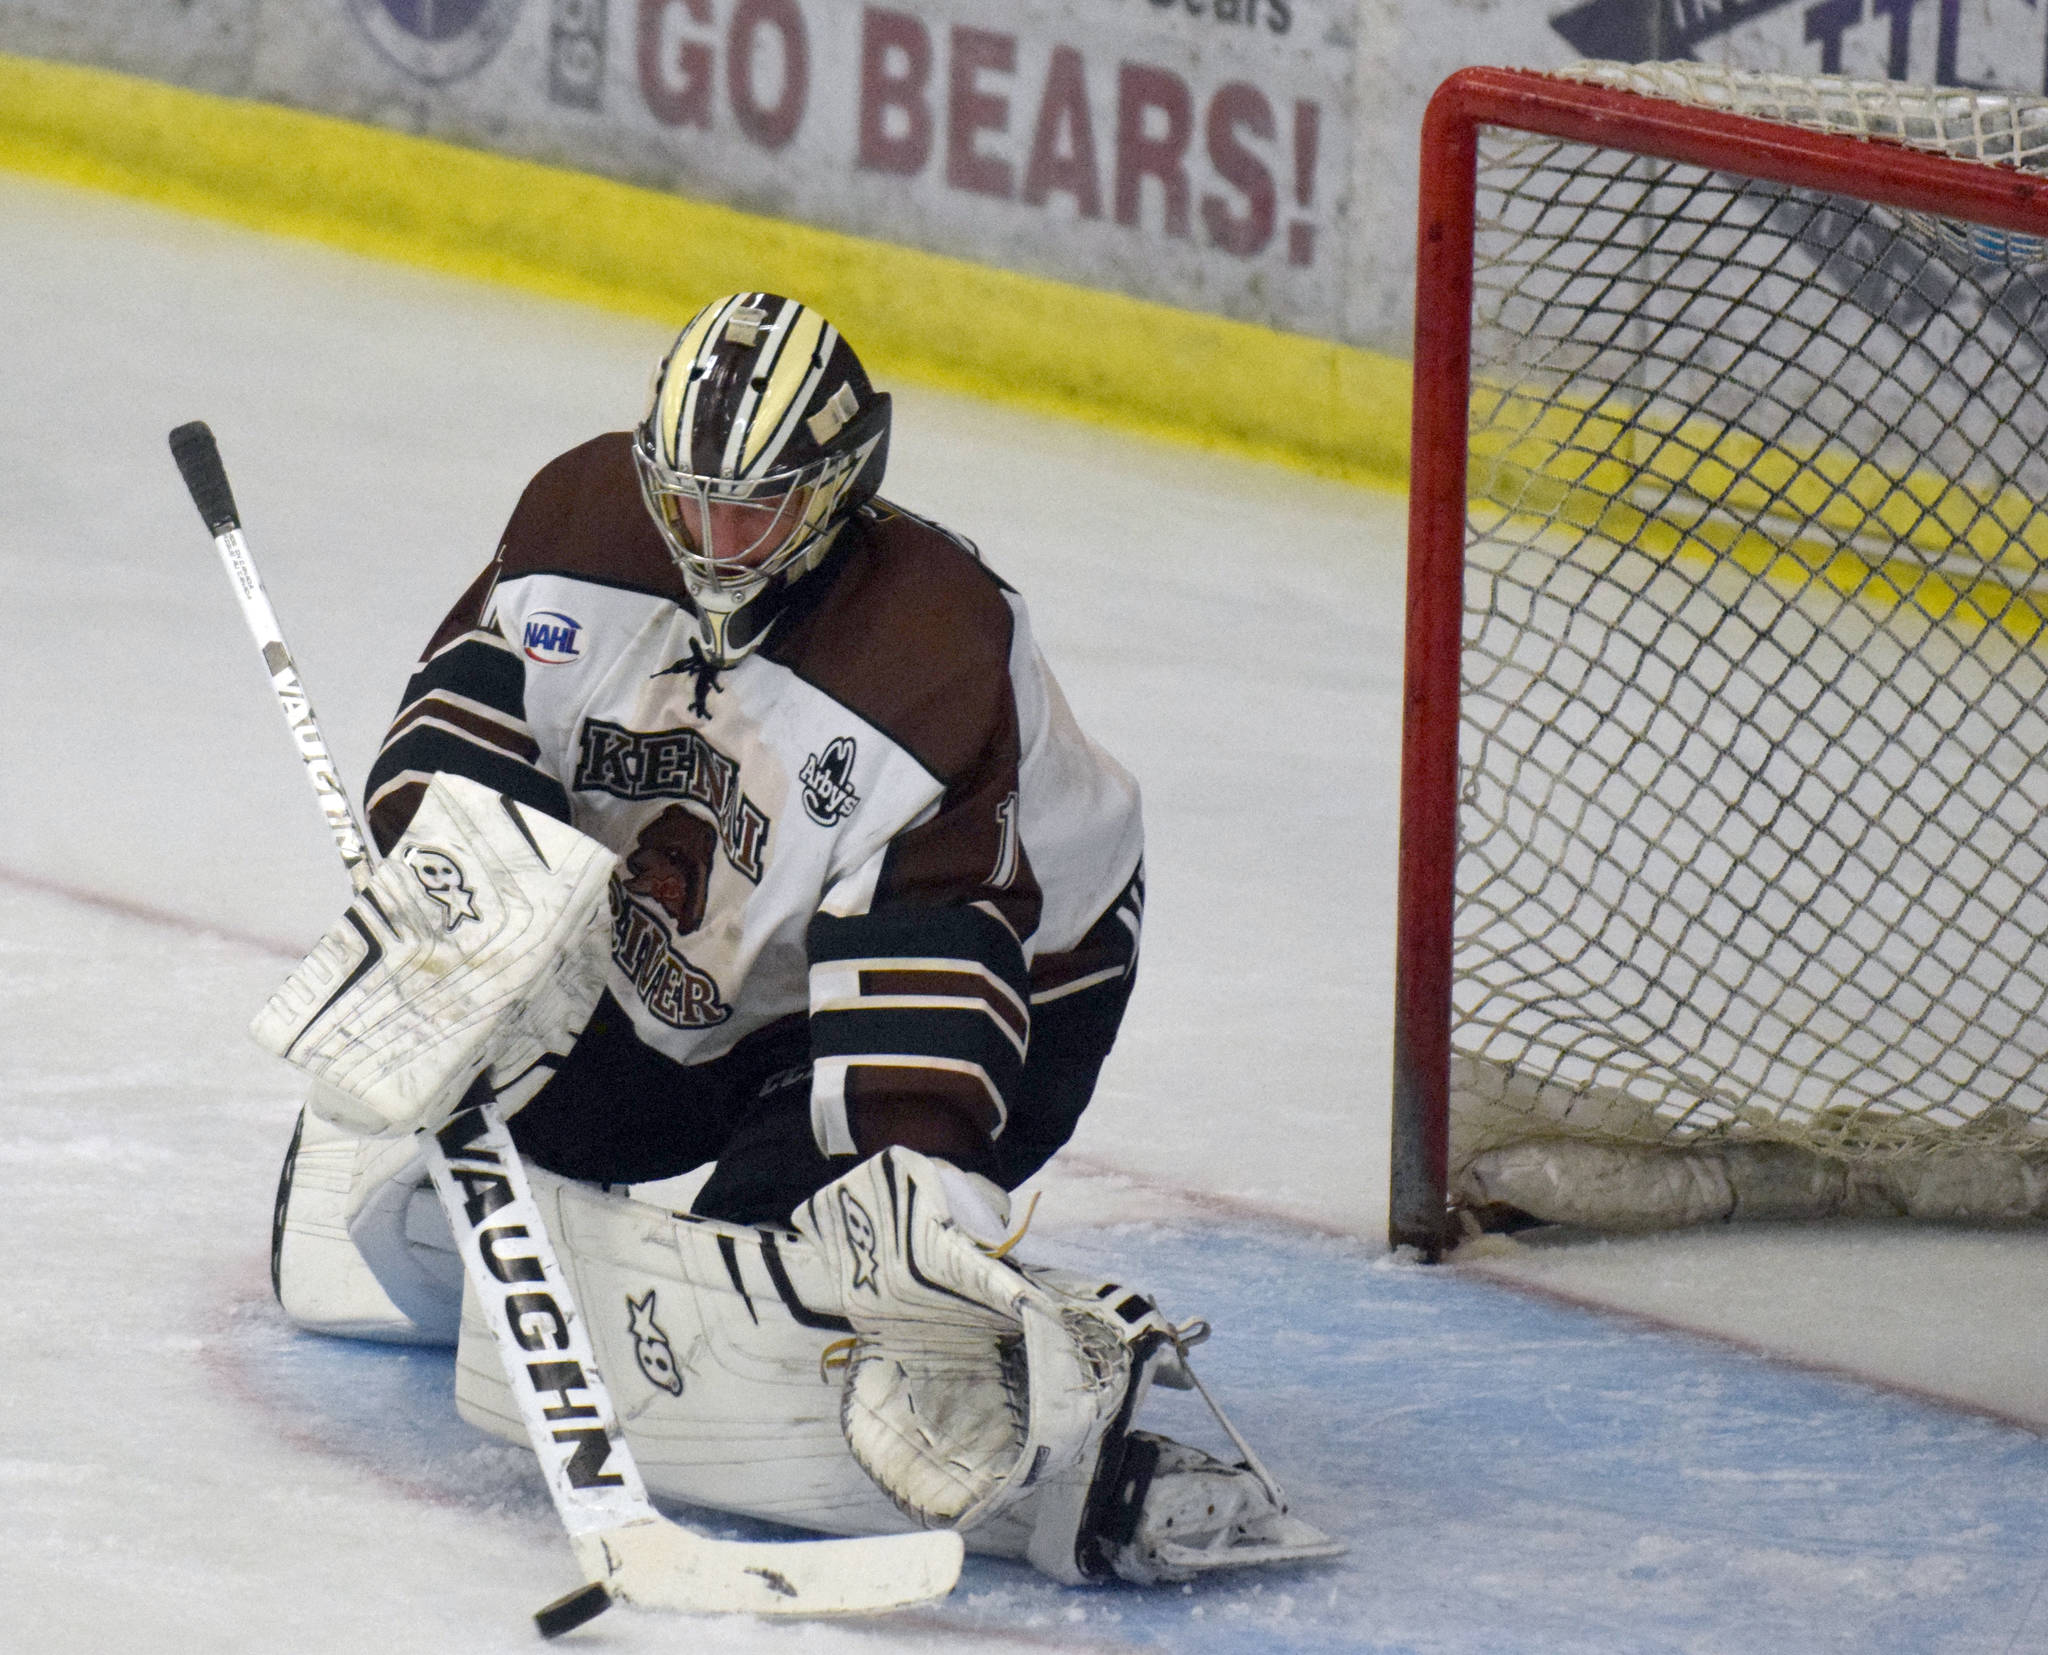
{"x": 763, "y": 437}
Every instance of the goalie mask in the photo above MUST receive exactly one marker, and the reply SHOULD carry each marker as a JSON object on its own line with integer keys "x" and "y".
{"x": 763, "y": 437}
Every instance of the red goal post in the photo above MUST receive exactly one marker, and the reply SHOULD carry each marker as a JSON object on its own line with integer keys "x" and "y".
{"x": 1745, "y": 157}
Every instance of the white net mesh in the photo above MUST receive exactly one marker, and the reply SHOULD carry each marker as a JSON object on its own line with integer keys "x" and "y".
{"x": 1754, "y": 831}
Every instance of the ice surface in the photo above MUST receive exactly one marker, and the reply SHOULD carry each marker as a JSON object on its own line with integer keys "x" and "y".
{"x": 182, "y": 1472}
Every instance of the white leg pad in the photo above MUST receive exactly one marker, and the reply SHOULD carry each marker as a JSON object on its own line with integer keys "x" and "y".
{"x": 712, "y": 1339}
{"x": 396, "y": 1224}
{"x": 324, "y": 1283}
{"x": 712, "y": 1342}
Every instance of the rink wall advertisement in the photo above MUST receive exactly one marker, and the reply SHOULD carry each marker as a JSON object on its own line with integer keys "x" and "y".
{"x": 1251, "y": 159}
{"x": 1193, "y": 157}
{"x": 1196, "y": 154}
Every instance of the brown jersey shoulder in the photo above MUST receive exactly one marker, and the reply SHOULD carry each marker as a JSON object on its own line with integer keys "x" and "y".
{"x": 582, "y": 516}
{"x": 910, "y": 631}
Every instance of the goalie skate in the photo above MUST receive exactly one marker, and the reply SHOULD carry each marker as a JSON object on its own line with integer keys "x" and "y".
{"x": 1159, "y": 1510}
{"x": 1153, "y": 1510}
{"x": 1176, "y": 1512}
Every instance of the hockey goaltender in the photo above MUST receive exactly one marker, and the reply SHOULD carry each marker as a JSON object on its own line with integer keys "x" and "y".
{"x": 847, "y": 904}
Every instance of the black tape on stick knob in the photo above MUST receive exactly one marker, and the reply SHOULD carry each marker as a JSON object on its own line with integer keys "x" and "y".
{"x": 198, "y": 457}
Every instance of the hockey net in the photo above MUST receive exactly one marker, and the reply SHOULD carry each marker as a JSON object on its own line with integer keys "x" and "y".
{"x": 1746, "y": 890}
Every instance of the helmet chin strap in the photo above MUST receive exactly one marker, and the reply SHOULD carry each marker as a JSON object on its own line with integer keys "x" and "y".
{"x": 725, "y": 642}
{"x": 733, "y": 623}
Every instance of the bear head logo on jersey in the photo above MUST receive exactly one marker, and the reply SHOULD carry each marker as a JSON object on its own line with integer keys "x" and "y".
{"x": 670, "y": 865}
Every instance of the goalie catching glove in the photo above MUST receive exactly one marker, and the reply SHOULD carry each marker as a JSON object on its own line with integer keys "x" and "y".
{"x": 478, "y": 945}
{"x": 981, "y": 1391}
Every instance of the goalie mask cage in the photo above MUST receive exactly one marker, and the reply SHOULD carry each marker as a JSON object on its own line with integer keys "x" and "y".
{"x": 1724, "y": 867}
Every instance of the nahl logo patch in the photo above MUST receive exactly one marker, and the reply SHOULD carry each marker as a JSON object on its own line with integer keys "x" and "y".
{"x": 441, "y": 877}
{"x": 651, "y": 1349}
{"x": 550, "y": 637}
{"x": 829, "y": 796}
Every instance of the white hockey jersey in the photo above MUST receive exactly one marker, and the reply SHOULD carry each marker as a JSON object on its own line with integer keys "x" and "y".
{"x": 885, "y": 820}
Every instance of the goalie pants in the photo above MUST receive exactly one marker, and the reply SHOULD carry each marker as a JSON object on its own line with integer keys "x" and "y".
{"x": 619, "y": 1112}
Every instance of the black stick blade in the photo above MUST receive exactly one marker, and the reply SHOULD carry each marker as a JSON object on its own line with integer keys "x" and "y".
{"x": 565, "y": 1614}
{"x": 198, "y": 457}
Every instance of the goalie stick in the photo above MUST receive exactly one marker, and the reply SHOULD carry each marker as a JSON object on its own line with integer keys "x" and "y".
{"x": 628, "y": 1550}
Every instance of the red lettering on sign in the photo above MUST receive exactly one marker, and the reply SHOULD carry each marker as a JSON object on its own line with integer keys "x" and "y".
{"x": 1063, "y": 142}
{"x": 1240, "y": 107}
{"x": 675, "y": 72}
{"x": 1301, "y": 234}
{"x": 1243, "y": 175}
{"x": 1152, "y": 148}
{"x": 895, "y": 68}
{"x": 971, "y": 111}
{"x": 771, "y": 125}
